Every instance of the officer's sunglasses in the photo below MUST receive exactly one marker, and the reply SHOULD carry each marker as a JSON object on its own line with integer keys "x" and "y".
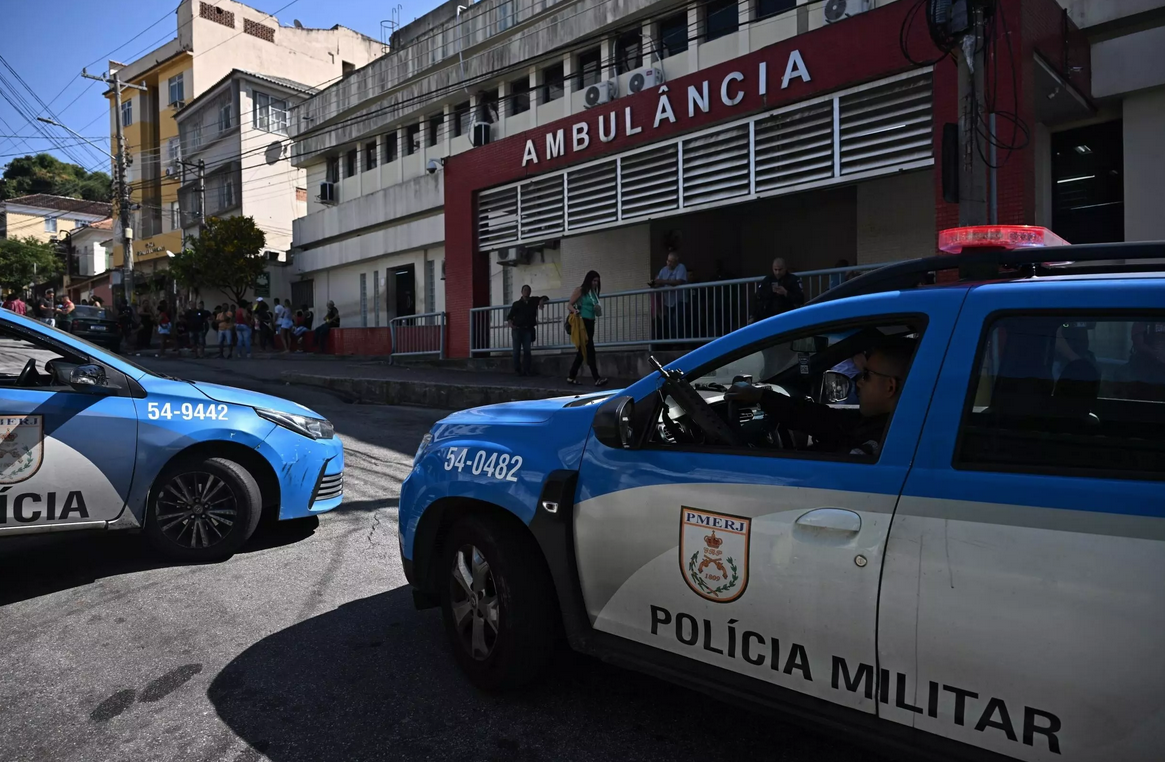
{"x": 866, "y": 373}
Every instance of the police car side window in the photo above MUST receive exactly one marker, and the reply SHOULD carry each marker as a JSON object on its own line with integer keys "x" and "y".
{"x": 1069, "y": 394}
{"x": 15, "y": 354}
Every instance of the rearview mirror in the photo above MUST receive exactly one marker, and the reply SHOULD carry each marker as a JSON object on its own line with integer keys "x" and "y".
{"x": 88, "y": 378}
{"x": 835, "y": 387}
{"x": 614, "y": 422}
{"x": 810, "y": 344}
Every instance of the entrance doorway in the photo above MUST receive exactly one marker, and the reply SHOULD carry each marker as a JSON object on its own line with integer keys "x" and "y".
{"x": 1088, "y": 185}
{"x": 403, "y": 297}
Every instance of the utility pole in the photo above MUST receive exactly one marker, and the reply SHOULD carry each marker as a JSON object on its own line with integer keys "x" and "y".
{"x": 973, "y": 201}
{"x": 123, "y": 191}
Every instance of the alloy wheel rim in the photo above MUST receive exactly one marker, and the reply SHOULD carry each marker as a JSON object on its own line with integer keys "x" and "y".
{"x": 475, "y": 604}
{"x": 196, "y": 509}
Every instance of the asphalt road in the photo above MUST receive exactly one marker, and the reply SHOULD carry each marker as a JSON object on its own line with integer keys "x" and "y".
{"x": 306, "y": 646}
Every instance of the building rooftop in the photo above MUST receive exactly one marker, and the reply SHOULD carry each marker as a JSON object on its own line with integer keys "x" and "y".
{"x": 63, "y": 204}
{"x": 298, "y": 87}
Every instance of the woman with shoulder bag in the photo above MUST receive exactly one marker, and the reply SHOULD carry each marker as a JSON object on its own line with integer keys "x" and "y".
{"x": 584, "y": 309}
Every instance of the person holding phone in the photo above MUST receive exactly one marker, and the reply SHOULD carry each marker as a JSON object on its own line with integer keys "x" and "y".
{"x": 779, "y": 292}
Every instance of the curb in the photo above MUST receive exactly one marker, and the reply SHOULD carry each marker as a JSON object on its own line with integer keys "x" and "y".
{"x": 433, "y": 394}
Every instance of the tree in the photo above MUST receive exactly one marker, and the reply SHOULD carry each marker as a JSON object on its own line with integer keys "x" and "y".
{"x": 26, "y": 261}
{"x": 45, "y": 173}
{"x": 227, "y": 255}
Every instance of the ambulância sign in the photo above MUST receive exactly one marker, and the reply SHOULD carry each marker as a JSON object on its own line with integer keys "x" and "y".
{"x": 605, "y": 125}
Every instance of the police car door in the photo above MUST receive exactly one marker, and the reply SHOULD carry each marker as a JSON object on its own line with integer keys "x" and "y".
{"x": 764, "y": 563}
{"x": 1023, "y": 599}
{"x": 66, "y": 456}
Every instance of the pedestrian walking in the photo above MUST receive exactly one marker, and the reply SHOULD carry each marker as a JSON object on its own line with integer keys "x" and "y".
{"x": 780, "y": 291}
{"x": 584, "y": 310}
{"x": 224, "y": 320}
{"x": 16, "y": 304}
{"x": 125, "y": 321}
{"x": 196, "y": 324}
{"x": 675, "y": 303}
{"x": 331, "y": 320}
{"x": 145, "y": 327}
{"x": 243, "y": 319}
{"x": 263, "y": 319}
{"x": 523, "y": 319}
{"x": 164, "y": 326}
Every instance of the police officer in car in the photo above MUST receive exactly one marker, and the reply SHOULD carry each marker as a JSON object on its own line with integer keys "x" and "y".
{"x": 854, "y": 432}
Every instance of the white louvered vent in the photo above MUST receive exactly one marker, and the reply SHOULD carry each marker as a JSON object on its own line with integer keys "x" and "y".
{"x": 650, "y": 182}
{"x": 794, "y": 147}
{"x": 592, "y": 195}
{"x": 541, "y": 205}
{"x": 885, "y": 126}
{"x": 497, "y": 218}
{"x": 716, "y": 166}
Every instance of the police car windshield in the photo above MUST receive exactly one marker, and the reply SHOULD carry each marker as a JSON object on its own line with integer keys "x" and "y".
{"x": 96, "y": 351}
{"x": 762, "y": 365}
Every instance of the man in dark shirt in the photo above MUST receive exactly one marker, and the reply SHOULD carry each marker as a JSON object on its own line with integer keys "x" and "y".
{"x": 843, "y": 431}
{"x": 196, "y": 323}
{"x": 46, "y": 308}
{"x": 522, "y": 318}
{"x": 778, "y": 292}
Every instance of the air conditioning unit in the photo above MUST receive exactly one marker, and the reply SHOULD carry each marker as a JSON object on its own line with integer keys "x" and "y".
{"x": 176, "y": 105}
{"x": 839, "y": 10}
{"x": 482, "y": 134}
{"x": 171, "y": 171}
{"x": 514, "y": 255}
{"x": 328, "y": 193}
{"x": 597, "y": 95}
{"x": 644, "y": 79}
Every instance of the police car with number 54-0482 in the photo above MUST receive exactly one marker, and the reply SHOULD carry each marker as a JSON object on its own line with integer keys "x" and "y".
{"x": 90, "y": 440}
{"x": 927, "y": 508}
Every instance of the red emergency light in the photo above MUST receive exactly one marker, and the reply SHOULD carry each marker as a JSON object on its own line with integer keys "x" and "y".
{"x": 955, "y": 240}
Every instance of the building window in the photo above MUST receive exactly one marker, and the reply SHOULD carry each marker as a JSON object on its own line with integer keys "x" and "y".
{"x": 127, "y": 112}
{"x": 507, "y": 285}
{"x": 461, "y": 119}
{"x": 225, "y": 117}
{"x": 174, "y": 153}
{"x": 628, "y": 51}
{"x": 50, "y": 224}
{"x": 1088, "y": 183}
{"x": 303, "y": 294}
{"x": 376, "y": 298}
{"x": 363, "y": 300}
{"x": 270, "y": 113}
{"x": 519, "y": 96}
{"x": 390, "y": 147}
{"x": 175, "y": 216}
{"x": 721, "y": 17}
{"x": 505, "y": 15}
{"x": 673, "y": 35}
{"x": 412, "y": 139}
{"x": 487, "y": 106}
{"x": 590, "y": 67}
{"x": 346, "y": 68}
{"x": 553, "y": 82}
{"x": 430, "y": 286}
{"x": 332, "y": 174}
{"x": 766, "y": 8}
{"x": 177, "y": 91}
{"x": 370, "y": 155}
{"x": 226, "y": 194}
{"x": 434, "y": 123}
{"x": 351, "y": 159}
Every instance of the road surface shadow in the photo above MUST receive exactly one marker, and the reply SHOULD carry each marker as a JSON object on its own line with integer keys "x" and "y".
{"x": 43, "y": 564}
{"x": 373, "y": 680}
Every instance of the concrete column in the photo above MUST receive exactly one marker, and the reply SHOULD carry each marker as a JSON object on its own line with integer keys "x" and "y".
{"x": 504, "y": 107}
{"x": 448, "y": 137}
{"x": 536, "y": 82}
{"x": 400, "y": 155}
{"x": 607, "y": 59}
{"x": 745, "y": 8}
{"x": 568, "y": 83}
{"x": 1144, "y": 160}
{"x": 695, "y": 34}
{"x": 649, "y": 43}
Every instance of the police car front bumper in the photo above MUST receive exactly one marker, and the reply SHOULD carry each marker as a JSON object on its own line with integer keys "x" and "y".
{"x": 310, "y": 472}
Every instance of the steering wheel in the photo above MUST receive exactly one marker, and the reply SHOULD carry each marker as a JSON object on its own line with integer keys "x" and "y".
{"x": 733, "y": 410}
{"x": 28, "y": 374}
{"x": 700, "y": 412}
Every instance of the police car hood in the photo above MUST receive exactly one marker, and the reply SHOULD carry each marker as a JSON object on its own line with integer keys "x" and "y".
{"x": 529, "y": 411}
{"x": 234, "y": 396}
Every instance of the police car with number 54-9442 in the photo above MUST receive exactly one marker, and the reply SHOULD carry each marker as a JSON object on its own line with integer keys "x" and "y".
{"x": 931, "y": 515}
{"x": 89, "y": 440}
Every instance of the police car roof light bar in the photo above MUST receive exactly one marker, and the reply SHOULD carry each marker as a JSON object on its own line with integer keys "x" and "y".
{"x": 1022, "y": 260}
{"x": 955, "y": 240}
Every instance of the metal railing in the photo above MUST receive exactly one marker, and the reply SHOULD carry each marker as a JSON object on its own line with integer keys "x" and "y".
{"x": 684, "y": 315}
{"x": 422, "y": 334}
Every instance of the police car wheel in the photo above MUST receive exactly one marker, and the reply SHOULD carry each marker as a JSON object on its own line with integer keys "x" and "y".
{"x": 203, "y": 509}
{"x": 498, "y": 604}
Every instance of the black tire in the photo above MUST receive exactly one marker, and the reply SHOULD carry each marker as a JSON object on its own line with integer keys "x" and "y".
{"x": 210, "y": 529}
{"x": 527, "y": 629}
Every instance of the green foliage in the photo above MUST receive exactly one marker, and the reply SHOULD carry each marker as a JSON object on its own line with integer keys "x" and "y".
{"x": 227, "y": 255}
{"x": 26, "y": 261}
{"x": 45, "y": 173}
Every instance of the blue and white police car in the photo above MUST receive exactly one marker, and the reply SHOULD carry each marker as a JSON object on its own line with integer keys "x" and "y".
{"x": 969, "y": 562}
{"x": 89, "y": 440}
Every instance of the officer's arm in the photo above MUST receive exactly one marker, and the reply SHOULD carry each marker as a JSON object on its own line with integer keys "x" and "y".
{"x": 819, "y": 421}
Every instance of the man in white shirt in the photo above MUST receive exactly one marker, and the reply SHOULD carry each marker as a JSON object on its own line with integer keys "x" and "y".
{"x": 674, "y": 302}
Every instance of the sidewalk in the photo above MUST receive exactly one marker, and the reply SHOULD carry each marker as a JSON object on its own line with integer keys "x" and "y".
{"x": 371, "y": 380}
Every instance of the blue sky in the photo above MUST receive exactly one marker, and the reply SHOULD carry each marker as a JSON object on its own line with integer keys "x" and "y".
{"x": 47, "y": 43}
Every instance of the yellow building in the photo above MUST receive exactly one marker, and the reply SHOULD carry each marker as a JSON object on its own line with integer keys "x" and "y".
{"x": 46, "y": 217}
{"x": 211, "y": 40}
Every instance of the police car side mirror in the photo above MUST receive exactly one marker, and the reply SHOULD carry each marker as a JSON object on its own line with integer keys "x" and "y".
{"x": 88, "y": 378}
{"x": 835, "y": 387}
{"x": 613, "y": 425}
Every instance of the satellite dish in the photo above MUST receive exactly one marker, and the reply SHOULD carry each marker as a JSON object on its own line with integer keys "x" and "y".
{"x": 297, "y": 24}
{"x": 274, "y": 152}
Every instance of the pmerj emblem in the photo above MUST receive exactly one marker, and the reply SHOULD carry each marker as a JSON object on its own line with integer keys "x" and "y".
{"x": 21, "y": 447}
{"x": 714, "y": 553}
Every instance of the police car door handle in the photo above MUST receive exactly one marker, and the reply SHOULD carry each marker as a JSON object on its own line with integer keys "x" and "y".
{"x": 831, "y": 520}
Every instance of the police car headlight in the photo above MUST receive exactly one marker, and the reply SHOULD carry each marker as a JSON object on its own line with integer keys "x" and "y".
{"x": 425, "y": 442}
{"x": 312, "y": 428}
